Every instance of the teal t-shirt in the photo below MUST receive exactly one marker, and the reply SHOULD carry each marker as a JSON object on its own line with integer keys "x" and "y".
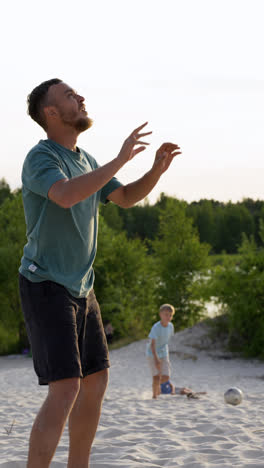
{"x": 162, "y": 336}
{"x": 61, "y": 243}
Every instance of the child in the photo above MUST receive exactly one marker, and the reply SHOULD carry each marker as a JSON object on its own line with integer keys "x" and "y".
{"x": 158, "y": 350}
{"x": 168, "y": 388}
{"x": 158, "y": 354}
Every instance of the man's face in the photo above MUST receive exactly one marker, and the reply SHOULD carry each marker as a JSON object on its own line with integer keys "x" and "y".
{"x": 70, "y": 106}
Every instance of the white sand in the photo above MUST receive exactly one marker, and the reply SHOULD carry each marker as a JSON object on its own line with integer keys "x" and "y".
{"x": 136, "y": 431}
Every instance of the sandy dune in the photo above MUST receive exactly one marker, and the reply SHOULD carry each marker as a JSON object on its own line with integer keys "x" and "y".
{"x": 136, "y": 431}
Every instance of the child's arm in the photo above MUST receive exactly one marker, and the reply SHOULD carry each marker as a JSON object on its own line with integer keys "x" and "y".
{"x": 154, "y": 352}
{"x": 172, "y": 389}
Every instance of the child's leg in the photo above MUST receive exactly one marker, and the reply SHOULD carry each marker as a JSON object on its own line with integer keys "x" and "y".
{"x": 185, "y": 391}
{"x": 164, "y": 378}
{"x": 166, "y": 371}
{"x": 156, "y": 386}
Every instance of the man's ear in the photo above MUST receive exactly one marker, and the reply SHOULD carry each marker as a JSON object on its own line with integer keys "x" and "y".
{"x": 50, "y": 111}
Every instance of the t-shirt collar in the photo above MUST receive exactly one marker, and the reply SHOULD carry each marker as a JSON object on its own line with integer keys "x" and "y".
{"x": 74, "y": 154}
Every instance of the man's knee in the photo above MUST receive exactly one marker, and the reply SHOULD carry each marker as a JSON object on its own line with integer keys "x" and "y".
{"x": 96, "y": 383}
{"x": 65, "y": 391}
{"x": 102, "y": 381}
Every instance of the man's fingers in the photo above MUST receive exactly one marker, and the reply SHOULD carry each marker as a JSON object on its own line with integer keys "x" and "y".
{"x": 169, "y": 150}
{"x": 140, "y": 135}
{"x": 166, "y": 154}
{"x": 169, "y": 144}
{"x": 139, "y": 128}
{"x": 141, "y": 143}
{"x": 169, "y": 147}
{"x": 138, "y": 150}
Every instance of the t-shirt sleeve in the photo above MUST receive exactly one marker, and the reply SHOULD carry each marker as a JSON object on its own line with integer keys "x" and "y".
{"x": 153, "y": 333}
{"x": 40, "y": 171}
{"x": 112, "y": 185}
{"x": 108, "y": 188}
{"x": 172, "y": 329}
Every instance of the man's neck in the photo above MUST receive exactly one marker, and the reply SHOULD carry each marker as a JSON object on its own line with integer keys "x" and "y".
{"x": 67, "y": 139}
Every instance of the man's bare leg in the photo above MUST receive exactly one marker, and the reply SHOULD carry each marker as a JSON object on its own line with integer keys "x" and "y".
{"x": 84, "y": 418}
{"x": 50, "y": 422}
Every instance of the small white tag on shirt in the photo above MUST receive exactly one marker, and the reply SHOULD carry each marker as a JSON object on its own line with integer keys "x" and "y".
{"x": 32, "y": 268}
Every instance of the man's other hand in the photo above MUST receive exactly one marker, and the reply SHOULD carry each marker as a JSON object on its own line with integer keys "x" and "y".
{"x": 164, "y": 156}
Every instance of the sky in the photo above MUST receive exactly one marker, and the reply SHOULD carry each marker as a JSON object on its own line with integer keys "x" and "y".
{"x": 193, "y": 69}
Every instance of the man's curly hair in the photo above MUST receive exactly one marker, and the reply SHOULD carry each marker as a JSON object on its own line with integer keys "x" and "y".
{"x": 37, "y": 99}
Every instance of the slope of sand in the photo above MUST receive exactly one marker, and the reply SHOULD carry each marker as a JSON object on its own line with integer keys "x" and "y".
{"x": 136, "y": 431}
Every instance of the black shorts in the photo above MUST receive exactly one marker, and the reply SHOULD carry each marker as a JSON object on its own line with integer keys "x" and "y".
{"x": 66, "y": 333}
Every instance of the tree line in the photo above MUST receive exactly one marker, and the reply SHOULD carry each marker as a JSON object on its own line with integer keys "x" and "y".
{"x": 154, "y": 254}
{"x": 219, "y": 224}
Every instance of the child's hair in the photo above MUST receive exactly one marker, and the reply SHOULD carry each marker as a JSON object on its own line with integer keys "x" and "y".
{"x": 168, "y": 307}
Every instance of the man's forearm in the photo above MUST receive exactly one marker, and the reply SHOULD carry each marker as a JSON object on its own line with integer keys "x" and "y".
{"x": 136, "y": 191}
{"x": 68, "y": 192}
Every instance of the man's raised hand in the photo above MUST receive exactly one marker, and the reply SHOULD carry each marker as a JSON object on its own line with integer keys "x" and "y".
{"x": 129, "y": 148}
{"x": 165, "y": 155}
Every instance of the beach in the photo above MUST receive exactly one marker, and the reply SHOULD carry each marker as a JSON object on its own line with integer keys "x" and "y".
{"x": 137, "y": 431}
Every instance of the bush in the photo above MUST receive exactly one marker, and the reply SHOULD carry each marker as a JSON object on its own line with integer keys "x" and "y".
{"x": 125, "y": 283}
{"x": 9, "y": 340}
{"x": 12, "y": 240}
{"x": 241, "y": 291}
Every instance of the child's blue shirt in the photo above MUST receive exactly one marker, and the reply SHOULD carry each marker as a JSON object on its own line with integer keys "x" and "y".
{"x": 162, "y": 336}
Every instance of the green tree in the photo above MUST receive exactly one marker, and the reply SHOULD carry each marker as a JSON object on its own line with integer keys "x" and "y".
{"x": 204, "y": 218}
{"x": 240, "y": 290}
{"x": 12, "y": 240}
{"x": 140, "y": 221}
{"x": 111, "y": 215}
{"x": 181, "y": 262}
{"x": 235, "y": 221}
{"x": 5, "y": 191}
{"x": 125, "y": 282}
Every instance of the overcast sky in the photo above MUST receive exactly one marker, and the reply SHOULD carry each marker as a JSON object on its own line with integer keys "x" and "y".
{"x": 193, "y": 69}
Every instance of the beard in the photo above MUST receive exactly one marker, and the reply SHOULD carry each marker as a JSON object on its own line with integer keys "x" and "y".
{"x": 79, "y": 123}
{"x": 82, "y": 124}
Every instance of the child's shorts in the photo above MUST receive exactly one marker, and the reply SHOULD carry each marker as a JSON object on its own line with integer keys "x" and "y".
{"x": 166, "y": 387}
{"x": 165, "y": 366}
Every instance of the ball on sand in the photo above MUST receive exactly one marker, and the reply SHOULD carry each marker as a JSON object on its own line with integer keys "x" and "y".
{"x": 233, "y": 396}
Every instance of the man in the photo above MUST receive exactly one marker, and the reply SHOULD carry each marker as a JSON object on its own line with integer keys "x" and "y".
{"x": 62, "y": 188}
